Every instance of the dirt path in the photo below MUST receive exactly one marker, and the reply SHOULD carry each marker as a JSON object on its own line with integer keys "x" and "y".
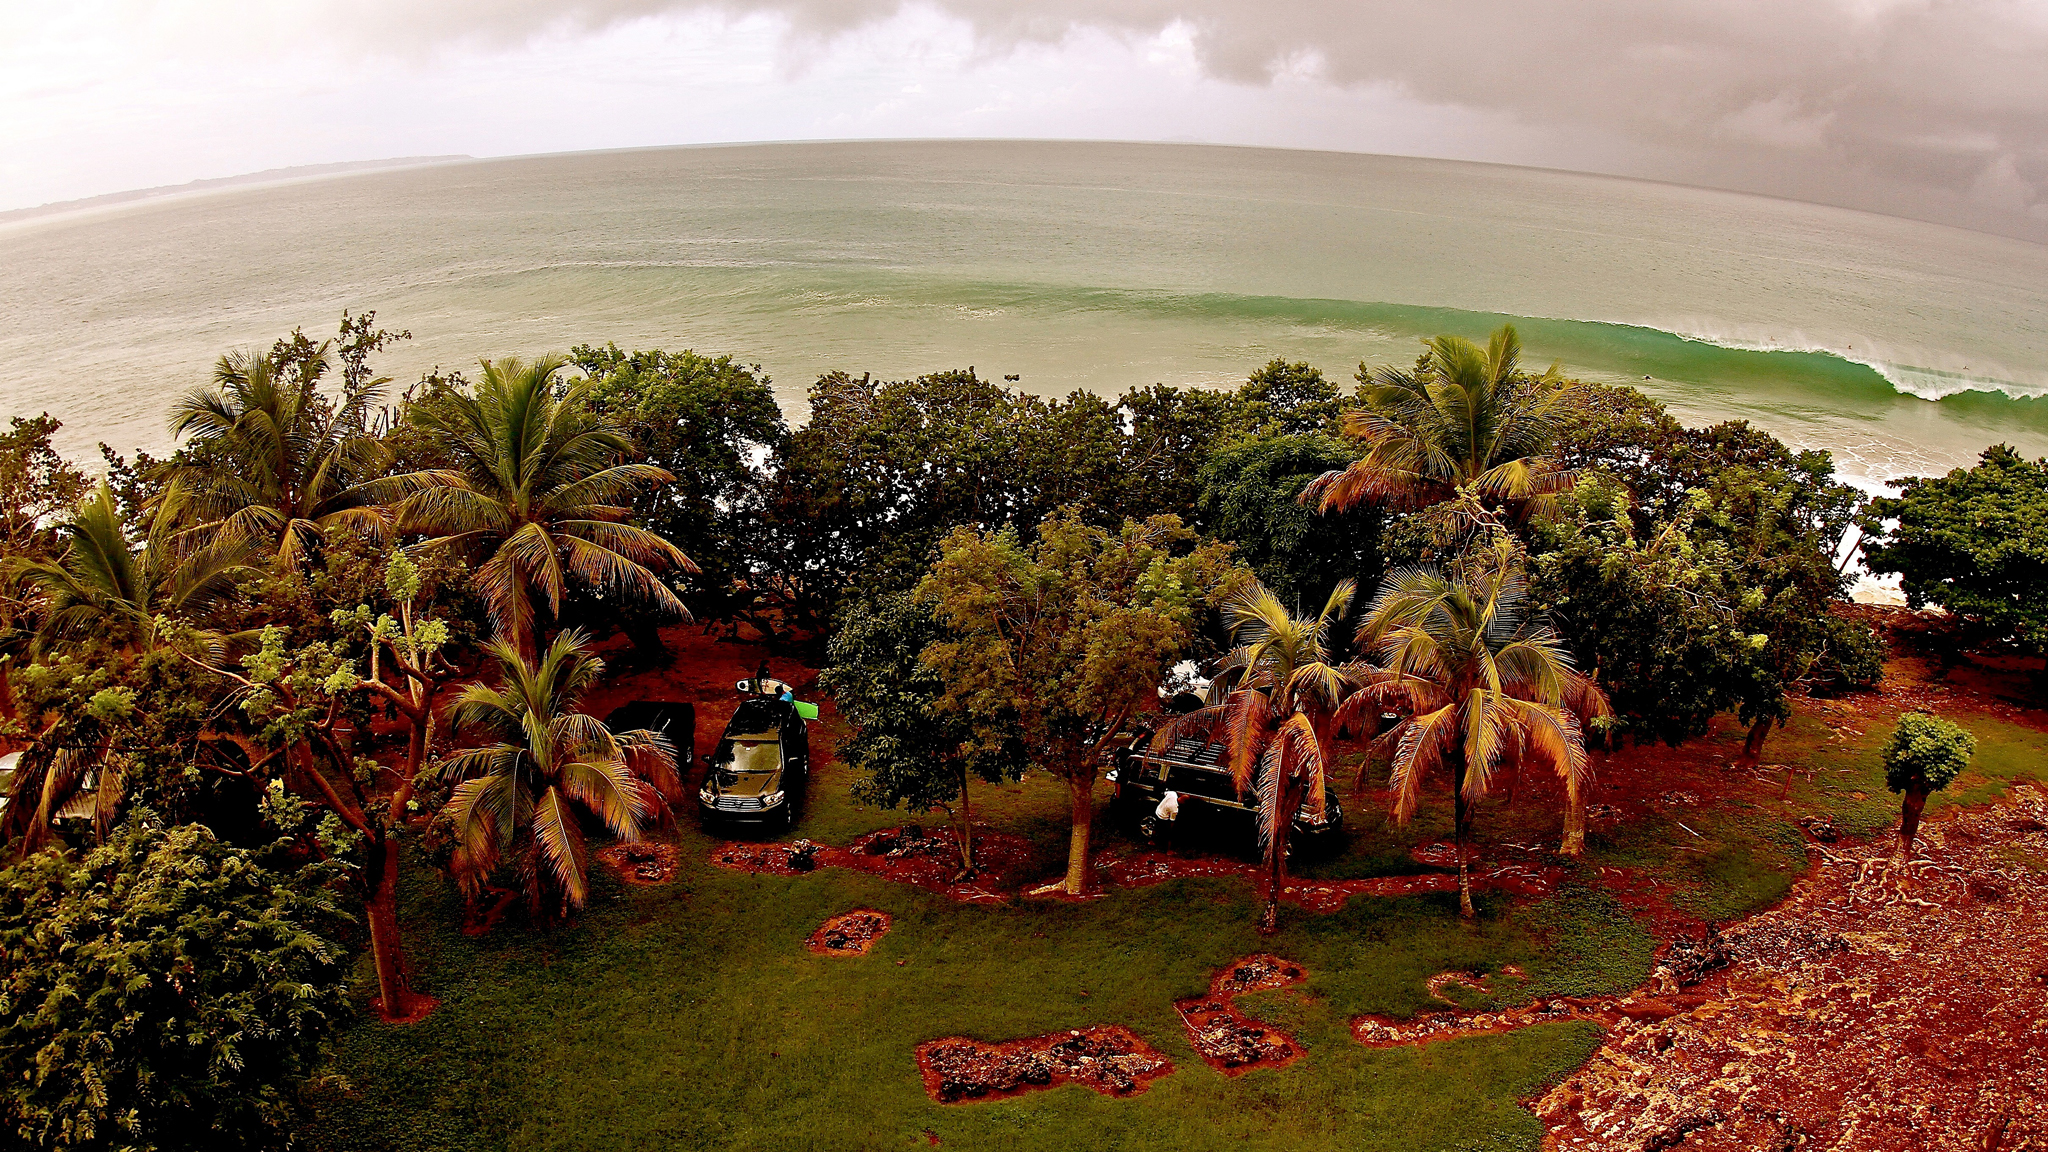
{"x": 1884, "y": 1005}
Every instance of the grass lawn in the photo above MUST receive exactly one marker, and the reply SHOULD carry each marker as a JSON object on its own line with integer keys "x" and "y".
{"x": 691, "y": 1016}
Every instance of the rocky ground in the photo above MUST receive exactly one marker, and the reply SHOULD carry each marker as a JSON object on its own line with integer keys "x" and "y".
{"x": 1226, "y": 1038}
{"x": 1108, "y": 1059}
{"x": 1886, "y": 1004}
{"x": 849, "y": 933}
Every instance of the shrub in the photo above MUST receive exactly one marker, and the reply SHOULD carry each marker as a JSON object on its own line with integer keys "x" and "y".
{"x": 166, "y": 992}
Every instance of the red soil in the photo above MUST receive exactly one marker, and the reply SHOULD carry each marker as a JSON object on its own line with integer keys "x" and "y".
{"x": 1107, "y": 1058}
{"x": 1885, "y": 1005}
{"x": 930, "y": 860}
{"x": 642, "y": 862}
{"x": 849, "y": 933}
{"x": 1227, "y": 1039}
{"x": 1143, "y": 867}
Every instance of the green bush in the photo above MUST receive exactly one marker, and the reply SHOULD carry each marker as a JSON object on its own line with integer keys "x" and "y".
{"x": 166, "y": 992}
{"x": 1851, "y": 656}
{"x": 1926, "y": 753}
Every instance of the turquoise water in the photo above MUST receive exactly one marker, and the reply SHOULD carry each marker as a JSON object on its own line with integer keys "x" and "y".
{"x": 1903, "y": 346}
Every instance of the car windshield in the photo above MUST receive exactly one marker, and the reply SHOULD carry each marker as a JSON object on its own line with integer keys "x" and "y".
{"x": 760, "y": 753}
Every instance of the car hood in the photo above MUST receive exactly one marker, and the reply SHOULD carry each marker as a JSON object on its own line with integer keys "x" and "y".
{"x": 750, "y": 784}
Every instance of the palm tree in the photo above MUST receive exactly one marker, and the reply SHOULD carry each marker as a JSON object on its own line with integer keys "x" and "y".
{"x": 103, "y": 586}
{"x": 275, "y": 466}
{"x": 517, "y": 800}
{"x": 1274, "y": 702}
{"x": 1469, "y": 418}
{"x": 1479, "y": 683}
{"x": 538, "y": 494}
{"x": 100, "y": 587}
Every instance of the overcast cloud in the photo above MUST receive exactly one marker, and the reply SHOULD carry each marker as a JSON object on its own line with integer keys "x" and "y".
{"x": 1937, "y": 108}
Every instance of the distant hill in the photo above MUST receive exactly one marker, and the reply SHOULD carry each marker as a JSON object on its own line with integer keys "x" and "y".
{"x": 267, "y": 176}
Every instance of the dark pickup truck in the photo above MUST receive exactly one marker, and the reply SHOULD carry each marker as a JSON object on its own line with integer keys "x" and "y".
{"x": 1199, "y": 772}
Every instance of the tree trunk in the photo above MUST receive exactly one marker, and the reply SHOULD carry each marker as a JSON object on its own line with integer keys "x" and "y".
{"x": 1910, "y": 806}
{"x": 966, "y": 825}
{"x": 1289, "y": 799}
{"x": 395, "y": 1000}
{"x": 1462, "y": 822}
{"x": 1753, "y": 747}
{"x": 1080, "y": 869}
{"x": 1574, "y": 818}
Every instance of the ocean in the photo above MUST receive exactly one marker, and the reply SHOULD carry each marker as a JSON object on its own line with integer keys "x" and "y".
{"x": 1904, "y": 347}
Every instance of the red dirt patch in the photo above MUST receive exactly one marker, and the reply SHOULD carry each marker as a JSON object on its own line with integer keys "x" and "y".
{"x": 1885, "y": 1005}
{"x": 1107, "y": 1058}
{"x": 1144, "y": 867}
{"x": 849, "y": 933}
{"x": 642, "y": 862}
{"x": 1227, "y": 1039}
{"x": 927, "y": 859}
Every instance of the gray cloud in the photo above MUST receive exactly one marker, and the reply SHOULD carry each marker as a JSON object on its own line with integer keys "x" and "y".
{"x": 1945, "y": 101}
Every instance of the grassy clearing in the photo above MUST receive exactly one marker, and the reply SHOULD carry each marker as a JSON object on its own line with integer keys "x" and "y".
{"x": 690, "y": 1016}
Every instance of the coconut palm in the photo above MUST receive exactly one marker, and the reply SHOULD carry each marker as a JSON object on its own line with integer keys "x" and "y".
{"x": 1479, "y": 683}
{"x": 1469, "y": 419}
{"x": 274, "y": 466}
{"x": 517, "y": 800}
{"x": 103, "y": 586}
{"x": 538, "y": 497}
{"x": 1274, "y": 703}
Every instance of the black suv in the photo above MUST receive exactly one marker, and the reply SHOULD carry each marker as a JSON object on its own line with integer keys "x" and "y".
{"x": 757, "y": 773}
{"x": 671, "y": 719}
{"x": 1199, "y": 772}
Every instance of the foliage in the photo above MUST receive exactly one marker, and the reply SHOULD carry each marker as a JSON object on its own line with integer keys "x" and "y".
{"x": 515, "y": 801}
{"x": 1288, "y": 399}
{"x": 1926, "y": 753}
{"x": 1056, "y": 646}
{"x": 538, "y": 495}
{"x": 1974, "y": 542}
{"x": 1250, "y": 497}
{"x": 1852, "y": 655}
{"x": 37, "y": 486}
{"x": 1478, "y": 681}
{"x": 711, "y": 423}
{"x": 167, "y": 991}
{"x": 1465, "y": 418}
{"x": 908, "y": 753}
{"x": 272, "y": 464}
{"x": 105, "y": 588}
{"x": 1274, "y": 703}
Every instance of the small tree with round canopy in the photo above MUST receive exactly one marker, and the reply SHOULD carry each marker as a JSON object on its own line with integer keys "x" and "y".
{"x": 1924, "y": 756}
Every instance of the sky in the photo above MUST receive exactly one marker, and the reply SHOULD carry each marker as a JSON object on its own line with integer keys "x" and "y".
{"x": 1929, "y": 108}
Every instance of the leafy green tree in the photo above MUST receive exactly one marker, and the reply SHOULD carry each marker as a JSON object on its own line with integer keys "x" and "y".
{"x": 516, "y": 801}
{"x": 1250, "y": 497}
{"x": 1924, "y": 756}
{"x": 709, "y": 422}
{"x": 908, "y": 752}
{"x": 1055, "y": 646}
{"x": 37, "y": 486}
{"x": 1280, "y": 690}
{"x": 271, "y": 464}
{"x": 1478, "y": 681}
{"x": 1648, "y": 619}
{"x": 1974, "y": 542}
{"x": 538, "y": 494}
{"x": 165, "y": 992}
{"x": 1467, "y": 418}
{"x": 1289, "y": 399}
{"x": 1171, "y": 434}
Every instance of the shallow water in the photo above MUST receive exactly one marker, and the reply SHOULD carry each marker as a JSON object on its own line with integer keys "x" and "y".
{"x": 1903, "y": 346}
